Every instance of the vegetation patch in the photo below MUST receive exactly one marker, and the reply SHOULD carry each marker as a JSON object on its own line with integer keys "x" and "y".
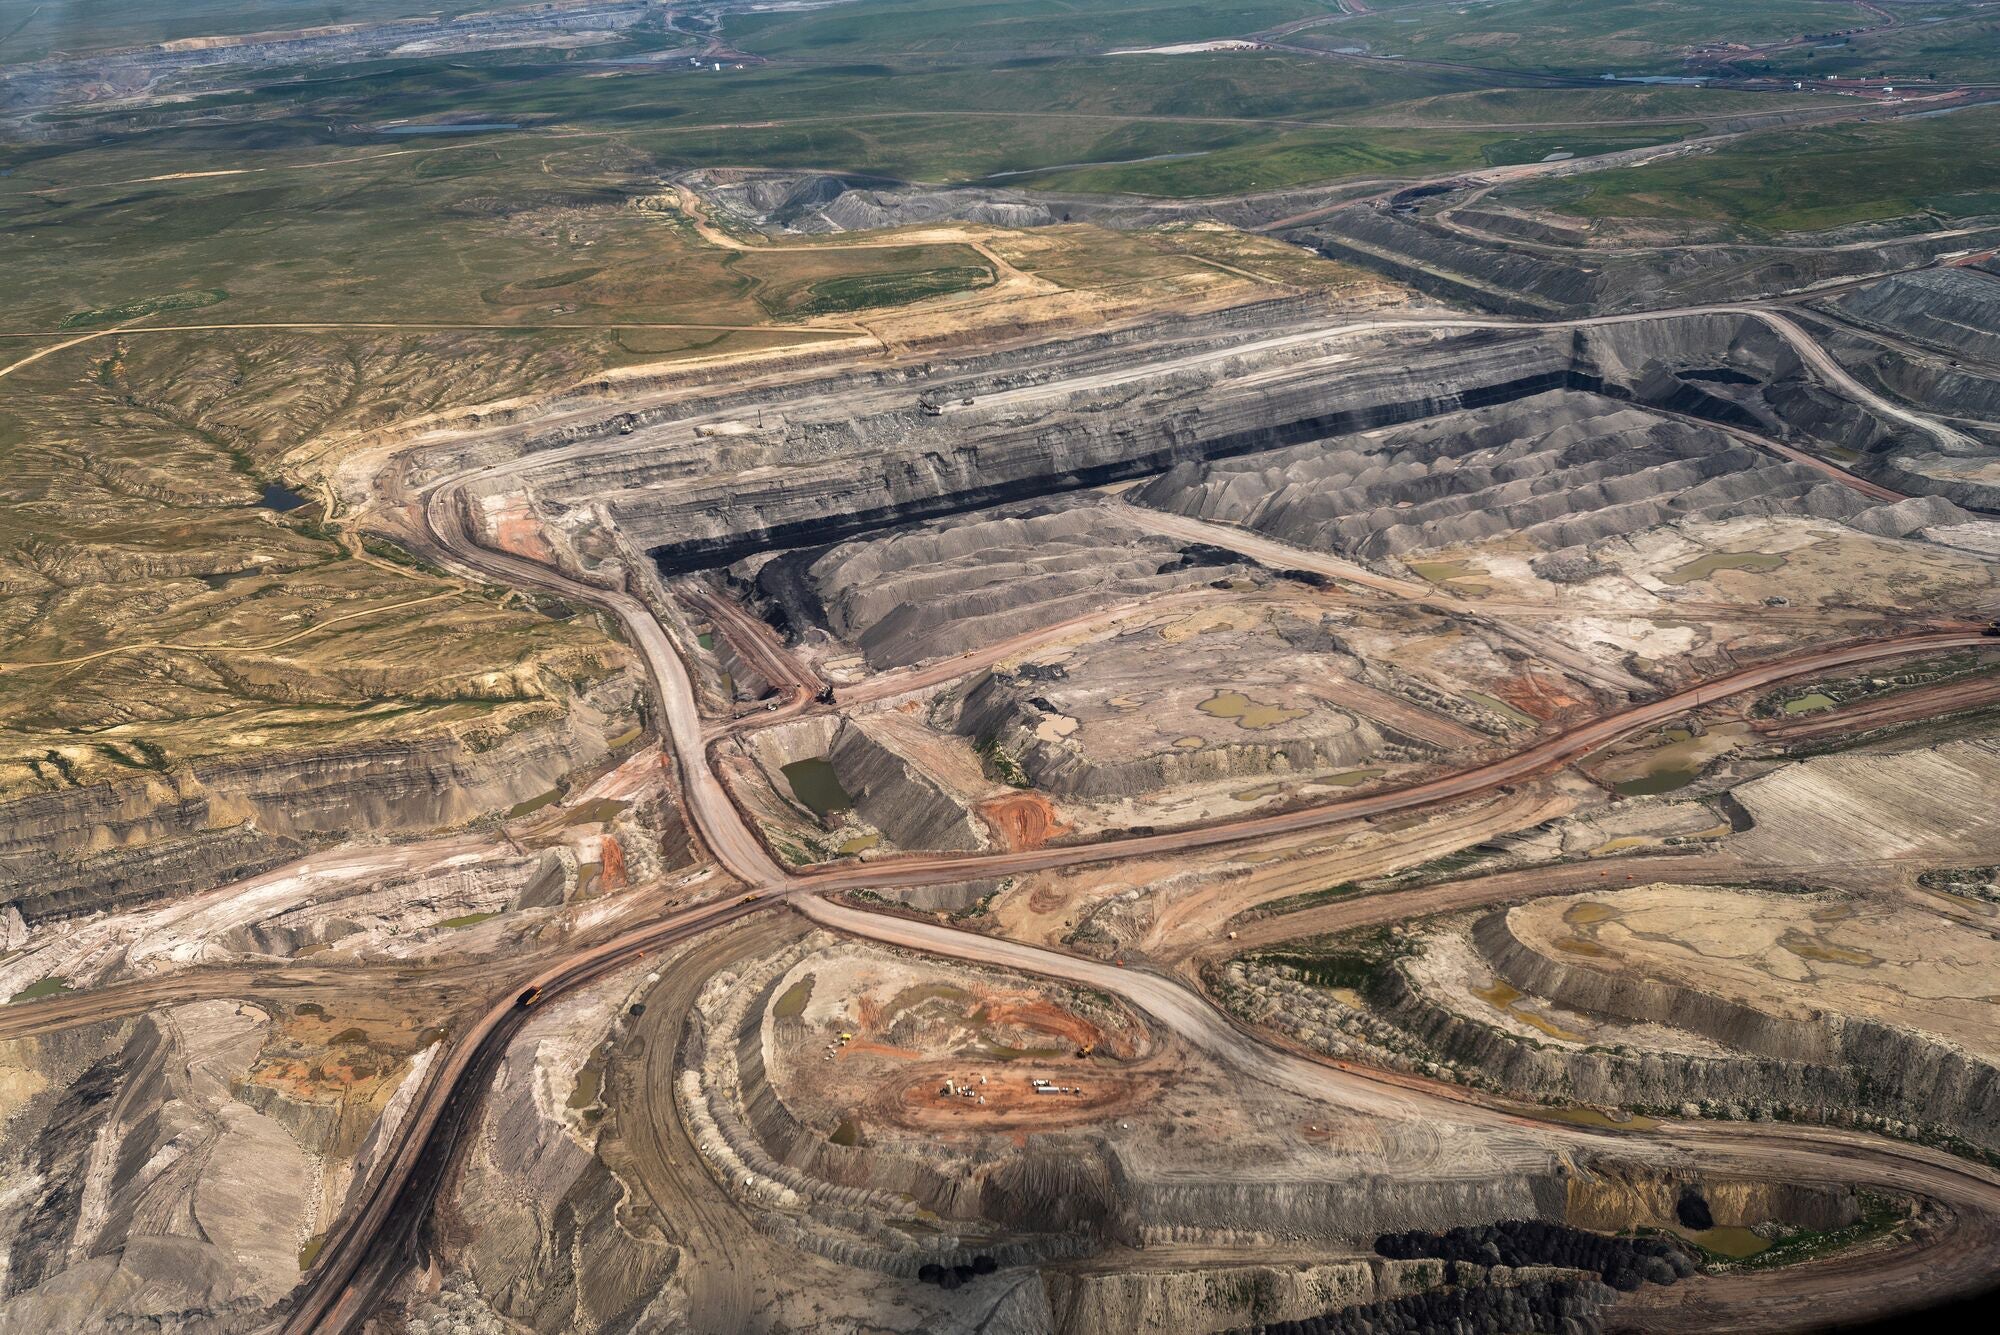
{"x": 136, "y": 310}
{"x": 1801, "y": 180}
{"x": 48, "y": 987}
{"x": 1310, "y": 899}
{"x": 999, "y": 764}
{"x": 869, "y": 291}
{"x": 1879, "y": 1216}
{"x": 1354, "y": 960}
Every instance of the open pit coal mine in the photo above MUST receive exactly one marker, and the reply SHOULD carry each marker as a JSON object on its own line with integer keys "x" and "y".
{"x": 1604, "y": 415}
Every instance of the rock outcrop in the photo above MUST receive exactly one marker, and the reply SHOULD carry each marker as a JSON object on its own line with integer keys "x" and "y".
{"x": 89, "y": 849}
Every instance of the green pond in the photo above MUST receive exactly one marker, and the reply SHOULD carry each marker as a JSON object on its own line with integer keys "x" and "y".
{"x": 1248, "y": 713}
{"x": 706, "y": 639}
{"x": 793, "y": 1004}
{"x": 1703, "y": 567}
{"x": 470, "y": 919}
{"x": 860, "y": 843}
{"x": 815, "y": 784}
{"x": 589, "y": 1084}
{"x": 1731, "y": 1241}
{"x": 1665, "y": 780}
{"x": 1805, "y": 704}
{"x": 600, "y": 811}
{"x": 48, "y": 987}
{"x": 1502, "y": 708}
{"x": 534, "y": 804}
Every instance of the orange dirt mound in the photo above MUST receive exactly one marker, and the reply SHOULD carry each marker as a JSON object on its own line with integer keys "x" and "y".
{"x": 1539, "y": 697}
{"x": 611, "y": 873}
{"x": 1022, "y": 820}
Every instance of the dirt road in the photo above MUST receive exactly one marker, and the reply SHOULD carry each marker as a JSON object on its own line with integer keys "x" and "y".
{"x": 945, "y": 869}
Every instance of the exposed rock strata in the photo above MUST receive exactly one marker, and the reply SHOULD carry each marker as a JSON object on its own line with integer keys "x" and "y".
{"x": 1560, "y": 469}
{"x": 884, "y": 457}
{"x": 111, "y": 845}
{"x": 954, "y": 585}
{"x": 1523, "y": 277}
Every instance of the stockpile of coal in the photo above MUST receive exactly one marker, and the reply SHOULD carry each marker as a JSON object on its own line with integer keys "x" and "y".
{"x": 1569, "y": 1306}
{"x": 1625, "y": 1263}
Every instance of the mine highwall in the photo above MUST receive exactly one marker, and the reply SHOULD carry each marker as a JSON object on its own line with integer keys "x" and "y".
{"x": 1916, "y": 1077}
{"x": 114, "y": 845}
{"x": 920, "y": 467}
{"x": 1834, "y": 1063}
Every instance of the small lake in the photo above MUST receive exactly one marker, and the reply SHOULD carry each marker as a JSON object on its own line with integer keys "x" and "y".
{"x": 815, "y": 784}
{"x": 1704, "y": 566}
{"x": 1248, "y": 713}
{"x": 277, "y": 496}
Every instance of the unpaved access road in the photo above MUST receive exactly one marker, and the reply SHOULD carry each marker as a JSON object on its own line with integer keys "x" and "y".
{"x": 362, "y": 1255}
{"x": 945, "y": 869}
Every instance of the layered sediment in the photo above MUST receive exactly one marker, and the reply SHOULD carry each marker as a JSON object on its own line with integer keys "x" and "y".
{"x": 855, "y": 454}
{"x": 103, "y": 846}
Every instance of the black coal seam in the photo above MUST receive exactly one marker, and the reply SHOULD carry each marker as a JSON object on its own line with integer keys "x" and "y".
{"x": 709, "y": 553}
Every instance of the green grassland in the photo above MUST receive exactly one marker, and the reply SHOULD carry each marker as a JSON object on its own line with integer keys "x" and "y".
{"x": 1805, "y": 180}
{"x": 1584, "y": 36}
{"x": 1610, "y": 105}
{"x": 521, "y": 233}
{"x": 1306, "y": 157}
{"x": 1955, "y": 41}
{"x": 1005, "y": 26}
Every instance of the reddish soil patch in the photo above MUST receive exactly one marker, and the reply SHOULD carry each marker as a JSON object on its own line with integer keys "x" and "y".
{"x": 611, "y": 864}
{"x": 1041, "y": 1017}
{"x": 1022, "y": 820}
{"x": 1011, "y": 1102}
{"x": 1540, "y": 698}
{"x": 521, "y": 534}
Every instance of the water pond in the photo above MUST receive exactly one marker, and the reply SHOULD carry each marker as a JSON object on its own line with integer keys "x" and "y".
{"x": 1248, "y": 713}
{"x": 277, "y": 496}
{"x": 1704, "y": 566}
{"x": 815, "y": 784}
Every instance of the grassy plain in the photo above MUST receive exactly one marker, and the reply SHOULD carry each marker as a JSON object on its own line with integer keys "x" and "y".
{"x": 1804, "y": 179}
{"x": 1584, "y": 36}
{"x": 961, "y": 27}
{"x": 1311, "y": 156}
